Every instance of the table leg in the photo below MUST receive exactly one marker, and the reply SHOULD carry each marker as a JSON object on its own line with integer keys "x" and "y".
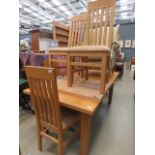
{"x": 85, "y": 129}
{"x": 110, "y": 94}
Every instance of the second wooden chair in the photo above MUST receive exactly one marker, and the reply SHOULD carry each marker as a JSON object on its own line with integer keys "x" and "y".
{"x": 49, "y": 115}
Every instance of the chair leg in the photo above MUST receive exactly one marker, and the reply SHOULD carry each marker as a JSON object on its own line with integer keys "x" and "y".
{"x": 85, "y": 59}
{"x": 69, "y": 72}
{"x": 82, "y": 73}
{"x": 72, "y": 77}
{"x": 86, "y": 73}
{"x": 40, "y": 142}
{"x": 60, "y": 149}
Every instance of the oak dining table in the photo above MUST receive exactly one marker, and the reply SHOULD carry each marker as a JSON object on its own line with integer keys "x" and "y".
{"x": 84, "y": 97}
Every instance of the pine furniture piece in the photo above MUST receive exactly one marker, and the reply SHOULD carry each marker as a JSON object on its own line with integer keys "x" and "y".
{"x": 76, "y": 37}
{"x": 60, "y": 33}
{"x": 77, "y": 30}
{"x": 85, "y": 98}
{"x": 36, "y": 35}
{"x": 132, "y": 61}
{"x": 49, "y": 115}
{"x": 99, "y": 13}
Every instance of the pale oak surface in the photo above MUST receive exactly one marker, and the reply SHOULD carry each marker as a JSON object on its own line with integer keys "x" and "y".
{"x": 83, "y": 96}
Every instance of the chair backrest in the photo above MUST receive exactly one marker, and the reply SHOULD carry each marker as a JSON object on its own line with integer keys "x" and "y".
{"x": 100, "y": 13}
{"x": 77, "y": 30}
{"x": 43, "y": 86}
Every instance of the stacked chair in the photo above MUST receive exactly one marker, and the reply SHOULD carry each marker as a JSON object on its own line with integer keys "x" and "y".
{"x": 95, "y": 42}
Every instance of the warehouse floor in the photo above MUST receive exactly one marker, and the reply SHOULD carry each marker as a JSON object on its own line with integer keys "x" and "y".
{"x": 112, "y": 130}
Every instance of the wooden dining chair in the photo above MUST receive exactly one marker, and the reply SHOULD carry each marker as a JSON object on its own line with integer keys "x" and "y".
{"x": 100, "y": 26}
{"x": 99, "y": 32}
{"x": 77, "y": 37}
{"x": 49, "y": 115}
{"x": 100, "y": 14}
{"x": 77, "y": 30}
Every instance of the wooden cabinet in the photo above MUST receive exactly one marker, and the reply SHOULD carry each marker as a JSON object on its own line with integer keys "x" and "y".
{"x": 36, "y": 34}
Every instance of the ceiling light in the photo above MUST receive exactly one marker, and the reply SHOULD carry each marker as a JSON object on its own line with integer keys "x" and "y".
{"x": 56, "y": 2}
{"x": 124, "y": 7}
{"x": 41, "y": 1}
{"x": 27, "y": 4}
{"x": 35, "y": 14}
{"x": 84, "y": 3}
{"x": 65, "y": 10}
{"x": 48, "y": 21}
{"x": 20, "y": 5}
{"x": 33, "y": 8}
{"x": 27, "y": 10}
{"x": 124, "y": 15}
{"x": 47, "y": 5}
{"x": 123, "y": 1}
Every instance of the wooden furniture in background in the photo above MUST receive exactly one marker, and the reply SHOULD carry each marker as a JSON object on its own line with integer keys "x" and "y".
{"x": 85, "y": 98}
{"x": 77, "y": 30}
{"x": 36, "y": 34}
{"x": 44, "y": 95}
{"x": 76, "y": 37}
{"x": 60, "y": 33}
{"x": 132, "y": 62}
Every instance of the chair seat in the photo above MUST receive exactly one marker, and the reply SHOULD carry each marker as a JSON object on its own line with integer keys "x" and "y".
{"x": 69, "y": 118}
{"x": 93, "y": 48}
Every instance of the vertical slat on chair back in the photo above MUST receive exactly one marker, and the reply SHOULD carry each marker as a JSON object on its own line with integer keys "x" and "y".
{"x": 43, "y": 86}
{"x": 77, "y": 30}
{"x": 100, "y": 14}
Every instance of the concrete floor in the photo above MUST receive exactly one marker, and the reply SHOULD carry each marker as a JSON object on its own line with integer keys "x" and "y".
{"x": 112, "y": 127}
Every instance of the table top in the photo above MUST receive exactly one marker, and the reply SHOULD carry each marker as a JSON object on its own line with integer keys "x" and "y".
{"x": 83, "y": 96}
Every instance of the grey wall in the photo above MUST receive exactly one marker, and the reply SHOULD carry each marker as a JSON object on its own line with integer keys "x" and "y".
{"x": 127, "y": 31}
